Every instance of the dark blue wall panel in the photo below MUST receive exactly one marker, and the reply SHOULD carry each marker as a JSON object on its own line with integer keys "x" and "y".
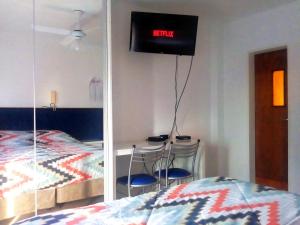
{"x": 85, "y": 124}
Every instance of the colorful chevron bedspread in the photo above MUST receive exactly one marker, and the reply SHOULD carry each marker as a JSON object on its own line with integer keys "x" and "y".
{"x": 61, "y": 160}
{"x": 220, "y": 201}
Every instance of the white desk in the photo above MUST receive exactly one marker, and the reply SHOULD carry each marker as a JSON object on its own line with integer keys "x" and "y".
{"x": 125, "y": 149}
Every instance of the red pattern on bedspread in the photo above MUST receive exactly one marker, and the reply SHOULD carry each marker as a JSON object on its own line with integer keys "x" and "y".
{"x": 61, "y": 160}
{"x": 211, "y": 201}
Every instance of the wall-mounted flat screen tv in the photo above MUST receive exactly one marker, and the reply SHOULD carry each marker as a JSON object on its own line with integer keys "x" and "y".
{"x": 163, "y": 33}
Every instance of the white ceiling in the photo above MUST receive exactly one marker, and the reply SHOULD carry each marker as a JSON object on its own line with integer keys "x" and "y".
{"x": 16, "y": 17}
{"x": 230, "y": 9}
{"x": 14, "y": 14}
{"x": 17, "y": 14}
{"x": 58, "y": 13}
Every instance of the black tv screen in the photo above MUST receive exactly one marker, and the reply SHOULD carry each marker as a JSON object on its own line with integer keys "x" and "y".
{"x": 163, "y": 33}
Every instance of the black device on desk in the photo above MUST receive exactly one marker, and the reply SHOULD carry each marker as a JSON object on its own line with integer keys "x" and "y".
{"x": 183, "y": 138}
{"x": 159, "y": 138}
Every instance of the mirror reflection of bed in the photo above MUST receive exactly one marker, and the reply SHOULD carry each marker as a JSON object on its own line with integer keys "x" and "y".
{"x": 59, "y": 164}
{"x": 67, "y": 168}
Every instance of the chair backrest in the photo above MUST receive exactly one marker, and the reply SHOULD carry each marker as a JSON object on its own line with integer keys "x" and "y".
{"x": 147, "y": 155}
{"x": 182, "y": 150}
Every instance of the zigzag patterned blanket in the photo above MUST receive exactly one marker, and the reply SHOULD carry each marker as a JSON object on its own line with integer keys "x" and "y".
{"x": 61, "y": 160}
{"x": 220, "y": 201}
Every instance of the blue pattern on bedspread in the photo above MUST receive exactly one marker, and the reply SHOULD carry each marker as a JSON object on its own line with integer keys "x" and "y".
{"x": 61, "y": 160}
{"x": 220, "y": 201}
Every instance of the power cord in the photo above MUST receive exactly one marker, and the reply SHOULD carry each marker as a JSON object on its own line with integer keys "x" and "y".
{"x": 176, "y": 95}
{"x": 178, "y": 100}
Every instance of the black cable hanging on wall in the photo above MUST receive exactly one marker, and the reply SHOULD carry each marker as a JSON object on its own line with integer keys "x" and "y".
{"x": 178, "y": 100}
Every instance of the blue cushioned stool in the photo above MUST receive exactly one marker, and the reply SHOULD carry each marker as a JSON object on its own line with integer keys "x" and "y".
{"x": 138, "y": 180}
{"x": 175, "y": 173}
{"x": 147, "y": 156}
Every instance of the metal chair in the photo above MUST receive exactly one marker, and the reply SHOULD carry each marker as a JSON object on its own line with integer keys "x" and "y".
{"x": 176, "y": 151}
{"x": 147, "y": 156}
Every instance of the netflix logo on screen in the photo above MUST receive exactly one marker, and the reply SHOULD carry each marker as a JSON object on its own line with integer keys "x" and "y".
{"x": 163, "y": 33}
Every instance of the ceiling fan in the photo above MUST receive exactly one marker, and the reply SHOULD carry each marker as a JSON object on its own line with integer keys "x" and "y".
{"x": 74, "y": 37}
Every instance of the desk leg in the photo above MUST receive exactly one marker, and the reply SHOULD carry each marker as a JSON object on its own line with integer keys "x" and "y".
{"x": 202, "y": 162}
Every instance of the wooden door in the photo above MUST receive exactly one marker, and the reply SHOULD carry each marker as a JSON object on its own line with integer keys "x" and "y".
{"x": 271, "y": 119}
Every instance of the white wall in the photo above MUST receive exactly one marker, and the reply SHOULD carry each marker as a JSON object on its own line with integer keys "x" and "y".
{"x": 198, "y": 113}
{"x": 16, "y": 83}
{"x": 67, "y": 72}
{"x": 143, "y": 84}
{"x": 274, "y": 28}
{"x": 216, "y": 106}
{"x": 132, "y": 80}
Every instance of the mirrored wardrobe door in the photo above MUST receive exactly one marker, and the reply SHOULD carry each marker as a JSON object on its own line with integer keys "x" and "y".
{"x": 70, "y": 53}
{"x": 16, "y": 111}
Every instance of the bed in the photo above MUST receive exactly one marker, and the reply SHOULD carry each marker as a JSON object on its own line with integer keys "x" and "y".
{"x": 219, "y": 200}
{"x": 66, "y": 170}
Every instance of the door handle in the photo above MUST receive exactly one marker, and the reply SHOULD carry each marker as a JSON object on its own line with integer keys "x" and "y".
{"x": 286, "y": 119}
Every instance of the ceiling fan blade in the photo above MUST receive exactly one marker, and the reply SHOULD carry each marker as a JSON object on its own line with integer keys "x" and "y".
{"x": 67, "y": 40}
{"x": 51, "y": 30}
